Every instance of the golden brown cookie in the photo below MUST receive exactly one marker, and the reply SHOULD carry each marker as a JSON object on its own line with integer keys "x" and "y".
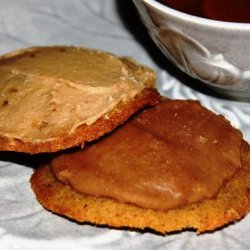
{"x": 54, "y": 98}
{"x": 173, "y": 166}
{"x": 230, "y": 204}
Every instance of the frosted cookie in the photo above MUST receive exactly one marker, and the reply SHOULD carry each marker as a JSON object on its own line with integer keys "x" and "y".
{"x": 52, "y": 98}
{"x": 171, "y": 167}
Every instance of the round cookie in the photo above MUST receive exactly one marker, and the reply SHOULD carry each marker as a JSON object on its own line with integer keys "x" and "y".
{"x": 54, "y": 98}
{"x": 173, "y": 166}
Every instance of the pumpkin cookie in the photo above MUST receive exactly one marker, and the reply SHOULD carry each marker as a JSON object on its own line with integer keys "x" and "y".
{"x": 54, "y": 98}
{"x": 169, "y": 168}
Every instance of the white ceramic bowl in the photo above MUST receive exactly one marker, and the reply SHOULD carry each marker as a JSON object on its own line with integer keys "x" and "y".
{"x": 215, "y": 52}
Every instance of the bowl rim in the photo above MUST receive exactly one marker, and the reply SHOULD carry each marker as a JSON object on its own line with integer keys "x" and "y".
{"x": 196, "y": 19}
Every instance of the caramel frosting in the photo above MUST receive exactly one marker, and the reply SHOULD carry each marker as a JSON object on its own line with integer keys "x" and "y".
{"x": 168, "y": 156}
{"x": 46, "y": 92}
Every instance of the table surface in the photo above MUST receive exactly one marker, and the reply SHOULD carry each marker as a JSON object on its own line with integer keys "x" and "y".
{"x": 112, "y": 26}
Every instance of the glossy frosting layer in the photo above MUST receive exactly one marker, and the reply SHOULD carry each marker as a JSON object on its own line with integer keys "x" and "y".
{"x": 168, "y": 156}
